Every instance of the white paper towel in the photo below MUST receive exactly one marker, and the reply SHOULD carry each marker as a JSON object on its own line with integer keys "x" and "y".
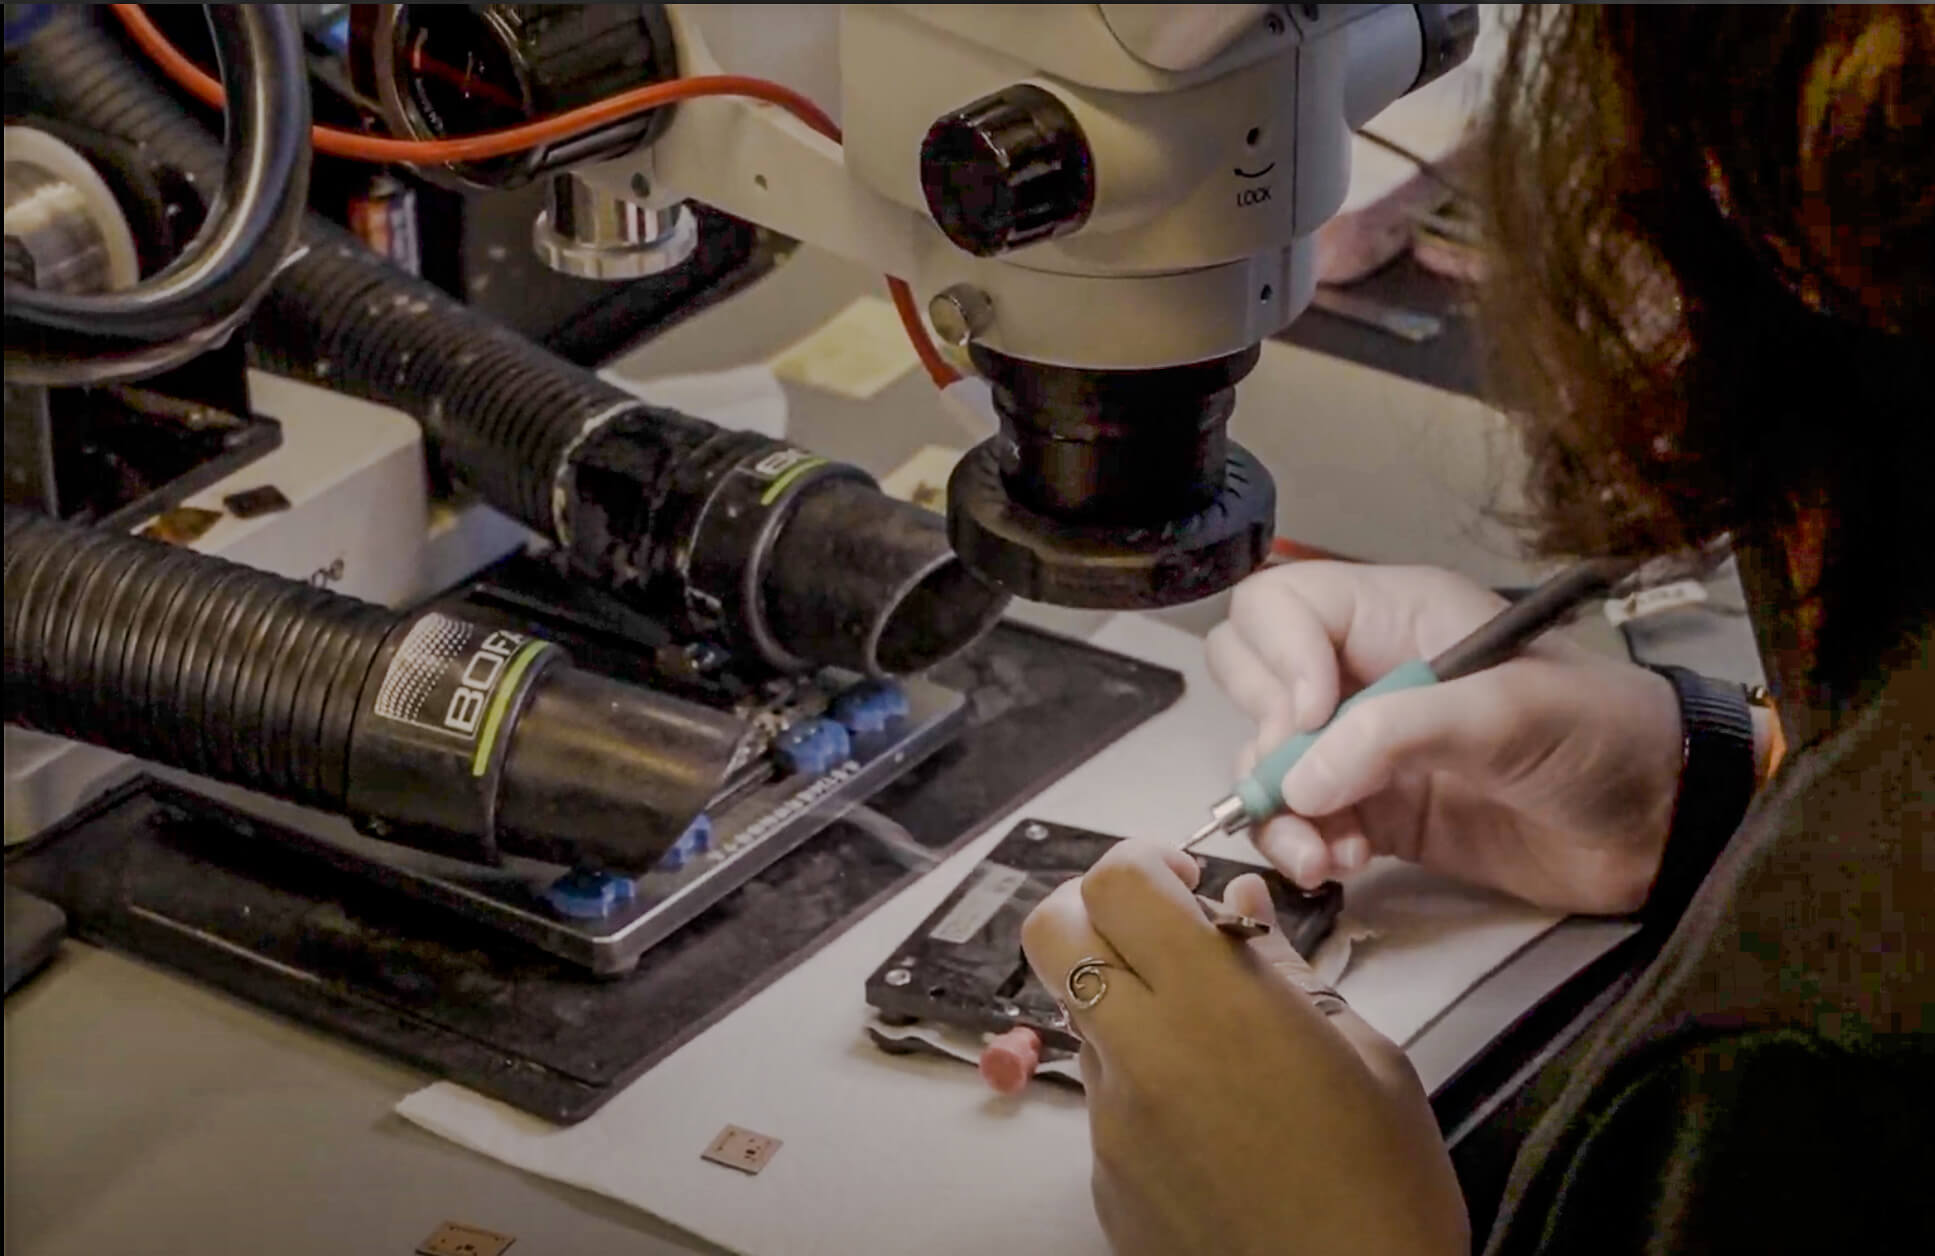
{"x": 890, "y": 1154}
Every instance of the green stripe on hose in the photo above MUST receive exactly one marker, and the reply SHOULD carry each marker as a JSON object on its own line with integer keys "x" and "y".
{"x": 500, "y": 701}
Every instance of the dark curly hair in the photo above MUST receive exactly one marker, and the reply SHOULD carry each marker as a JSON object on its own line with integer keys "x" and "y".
{"x": 1713, "y": 292}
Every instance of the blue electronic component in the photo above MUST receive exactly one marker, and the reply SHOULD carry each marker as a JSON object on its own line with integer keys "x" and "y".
{"x": 588, "y": 894}
{"x": 813, "y": 747}
{"x": 335, "y": 36}
{"x": 870, "y": 706}
{"x": 695, "y": 841}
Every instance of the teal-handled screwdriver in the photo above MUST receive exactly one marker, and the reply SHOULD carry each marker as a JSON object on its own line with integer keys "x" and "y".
{"x": 1259, "y": 795}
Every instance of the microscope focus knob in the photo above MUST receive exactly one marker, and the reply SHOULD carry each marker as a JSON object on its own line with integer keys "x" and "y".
{"x": 1008, "y": 170}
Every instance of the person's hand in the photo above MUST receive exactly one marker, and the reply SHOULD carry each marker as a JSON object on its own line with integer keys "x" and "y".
{"x": 1228, "y": 1114}
{"x": 1551, "y": 776}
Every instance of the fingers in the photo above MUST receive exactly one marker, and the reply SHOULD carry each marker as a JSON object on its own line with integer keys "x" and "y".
{"x": 1140, "y": 896}
{"x": 1299, "y": 637}
{"x": 1265, "y": 696}
{"x": 1350, "y": 854}
{"x": 1089, "y": 1062}
{"x": 1135, "y": 909}
{"x": 1180, "y": 862}
{"x": 1295, "y": 848}
{"x": 1465, "y": 726}
{"x": 1241, "y": 674}
{"x": 1248, "y": 895}
{"x": 1251, "y": 896}
{"x": 1307, "y": 615}
{"x": 1056, "y": 937}
{"x": 1275, "y": 728}
{"x": 1294, "y": 641}
{"x": 1312, "y": 850}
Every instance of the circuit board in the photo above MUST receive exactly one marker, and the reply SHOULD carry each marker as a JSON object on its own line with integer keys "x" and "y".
{"x": 964, "y": 968}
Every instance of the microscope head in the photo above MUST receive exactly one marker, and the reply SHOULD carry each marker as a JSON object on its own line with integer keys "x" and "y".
{"x": 1108, "y": 207}
{"x": 1111, "y": 488}
{"x": 1127, "y": 198}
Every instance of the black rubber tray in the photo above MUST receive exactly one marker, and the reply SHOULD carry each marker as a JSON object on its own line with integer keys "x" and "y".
{"x": 170, "y": 875}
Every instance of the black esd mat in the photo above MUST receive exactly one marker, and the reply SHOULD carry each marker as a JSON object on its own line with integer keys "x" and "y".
{"x": 170, "y": 875}
{"x": 963, "y": 966}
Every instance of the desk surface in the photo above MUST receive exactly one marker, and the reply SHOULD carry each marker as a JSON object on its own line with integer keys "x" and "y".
{"x": 145, "y": 1113}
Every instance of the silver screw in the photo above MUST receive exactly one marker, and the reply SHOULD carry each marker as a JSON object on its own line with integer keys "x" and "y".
{"x": 898, "y": 977}
{"x": 1007, "y": 1009}
{"x": 1035, "y": 832}
{"x": 960, "y": 313}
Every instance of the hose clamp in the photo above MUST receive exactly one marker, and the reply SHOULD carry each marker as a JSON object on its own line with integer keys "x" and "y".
{"x": 433, "y": 727}
{"x": 564, "y": 475}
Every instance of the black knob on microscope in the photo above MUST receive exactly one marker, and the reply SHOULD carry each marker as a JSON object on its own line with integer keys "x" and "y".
{"x": 1008, "y": 170}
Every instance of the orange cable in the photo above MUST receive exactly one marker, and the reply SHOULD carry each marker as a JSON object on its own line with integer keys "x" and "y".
{"x": 930, "y": 357}
{"x": 350, "y": 144}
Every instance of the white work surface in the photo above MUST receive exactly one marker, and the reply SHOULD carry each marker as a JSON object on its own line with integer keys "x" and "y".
{"x": 891, "y": 1153}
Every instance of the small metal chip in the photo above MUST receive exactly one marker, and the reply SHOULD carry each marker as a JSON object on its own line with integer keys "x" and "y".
{"x": 251, "y": 502}
{"x": 453, "y": 1239}
{"x": 183, "y": 525}
{"x": 741, "y": 1149}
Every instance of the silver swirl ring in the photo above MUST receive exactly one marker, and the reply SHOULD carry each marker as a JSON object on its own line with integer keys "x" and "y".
{"x": 1088, "y": 981}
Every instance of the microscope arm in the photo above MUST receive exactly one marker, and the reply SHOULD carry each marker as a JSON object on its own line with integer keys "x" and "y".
{"x": 757, "y": 161}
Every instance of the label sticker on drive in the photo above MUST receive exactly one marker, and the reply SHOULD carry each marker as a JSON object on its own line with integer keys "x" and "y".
{"x": 977, "y": 907}
{"x": 780, "y": 461}
{"x": 780, "y": 468}
{"x": 445, "y": 673}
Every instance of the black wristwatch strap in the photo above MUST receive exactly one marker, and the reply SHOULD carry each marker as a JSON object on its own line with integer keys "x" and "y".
{"x": 1717, "y": 782}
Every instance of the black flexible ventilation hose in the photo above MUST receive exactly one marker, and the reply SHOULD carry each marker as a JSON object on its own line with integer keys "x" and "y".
{"x": 501, "y": 411}
{"x": 499, "y": 408}
{"x": 655, "y": 505}
{"x": 429, "y": 728}
{"x": 259, "y": 193}
{"x": 183, "y": 659}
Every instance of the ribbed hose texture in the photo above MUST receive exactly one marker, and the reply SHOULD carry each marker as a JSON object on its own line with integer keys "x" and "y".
{"x": 500, "y": 411}
{"x": 77, "y": 70}
{"x": 20, "y": 263}
{"x": 184, "y": 659}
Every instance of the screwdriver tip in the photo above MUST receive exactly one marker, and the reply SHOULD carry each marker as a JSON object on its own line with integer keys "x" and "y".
{"x": 1227, "y": 816}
